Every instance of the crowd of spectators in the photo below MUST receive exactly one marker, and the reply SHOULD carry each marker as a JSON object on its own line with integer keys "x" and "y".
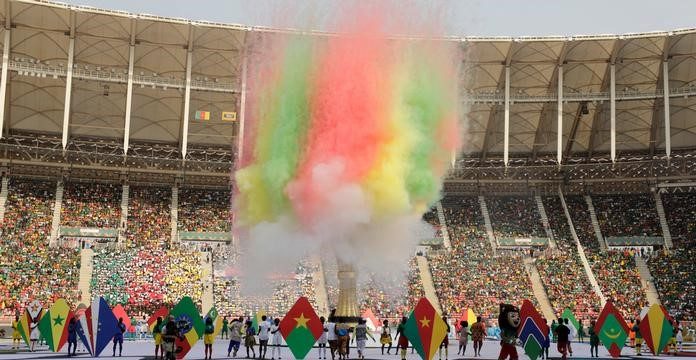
{"x": 95, "y": 205}
{"x": 561, "y": 271}
{"x": 579, "y": 213}
{"x": 393, "y": 297}
{"x": 470, "y": 275}
{"x": 149, "y": 216}
{"x": 514, "y": 217}
{"x": 617, "y": 276}
{"x": 204, "y": 210}
{"x": 681, "y": 217}
{"x": 673, "y": 274}
{"x": 627, "y": 215}
{"x": 145, "y": 278}
{"x": 29, "y": 268}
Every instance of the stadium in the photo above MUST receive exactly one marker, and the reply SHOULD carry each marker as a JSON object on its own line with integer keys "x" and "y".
{"x": 575, "y": 185}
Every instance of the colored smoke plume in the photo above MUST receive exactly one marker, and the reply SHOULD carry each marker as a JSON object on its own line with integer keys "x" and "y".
{"x": 347, "y": 140}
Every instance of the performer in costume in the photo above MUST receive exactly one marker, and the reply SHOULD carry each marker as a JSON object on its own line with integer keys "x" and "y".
{"x": 386, "y": 338}
{"x": 208, "y": 338}
{"x": 157, "y": 336}
{"x": 16, "y": 336}
{"x": 277, "y": 339}
{"x": 509, "y": 321}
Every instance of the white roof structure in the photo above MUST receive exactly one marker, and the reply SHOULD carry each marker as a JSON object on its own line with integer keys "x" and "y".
{"x": 127, "y": 76}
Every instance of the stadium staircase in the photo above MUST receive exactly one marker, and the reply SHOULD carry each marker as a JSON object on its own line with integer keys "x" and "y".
{"x": 666, "y": 235}
{"x": 427, "y": 281}
{"x": 595, "y": 223}
{"x": 3, "y": 198}
{"x": 207, "y": 298}
{"x": 125, "y": 194}
{"x": 647, "y": 280}
{"x": 320, "y": 286}
{"x": 545, "y": 221}
{"x": 581, "y": 250}
{"x": 83, "y": 284}
{"x": 487, "y": 222}
{"x": 538, "y": 289}
{"x": 57, "y": 206}
{"x": 175, "y": 211}
{"x": 443, "y": 225}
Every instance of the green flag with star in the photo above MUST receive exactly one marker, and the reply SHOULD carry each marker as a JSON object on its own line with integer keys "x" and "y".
{"x": 53, "y": 325}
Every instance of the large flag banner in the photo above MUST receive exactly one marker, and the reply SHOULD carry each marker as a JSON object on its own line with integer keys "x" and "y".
{"x": 217, "y": 320}
{"x": 371, "y": 320}
{"x": 162, "y": 312}
{"x": 97, "y": 327}
{"x": 425, "y": 329}
{"x": 567, "y": 314}
{"x": 612, "y": 330}
{"x": 256, "y": 320}
{"x": 120, "y": 313}
{"x": 534, "y": 332}
{"x": 469, "y": 316}
{"x": 656, "y": 328}
{"x": 24, "y": 327}
{"x": 301, "y": 328}
{"x": 190, "y": 324}
{"x": 53, "y": 325}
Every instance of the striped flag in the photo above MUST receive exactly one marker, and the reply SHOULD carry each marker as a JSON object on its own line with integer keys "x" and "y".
{"x": 425, "y": 329}
{"x": 187, "y": 317}
{"x": 97, "y": 327}
{"x": 202, "y": 115}
{"x": 24, "y": 327}
{"x": 256, "y": 320}
{"x": 53, "y": 325}
{"x": 534, "y": 332}
{"x": 567, "y": 314}
{"x": 217, "y": 320}
{"x": 162, "y": 312}
{"x": 656, "y": 328}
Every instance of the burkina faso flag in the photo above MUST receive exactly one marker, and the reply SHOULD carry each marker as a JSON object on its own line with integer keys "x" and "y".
{"x": 656, "y": 328}
{"x": 612, "y": 330}
{"x": 187, "y": 318}
{"x": 425, "y": 329}
{"x": 301, "y": 328}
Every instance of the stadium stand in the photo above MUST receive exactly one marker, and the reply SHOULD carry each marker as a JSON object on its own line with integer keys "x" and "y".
{"x": 514, "y": 217}
{"x": 149, "y": 219}
{"x": 627, "y": 215}
{"x": 204, "y": 210}
{"x": 91, "y": 205}
{"x": 681, "y": 217}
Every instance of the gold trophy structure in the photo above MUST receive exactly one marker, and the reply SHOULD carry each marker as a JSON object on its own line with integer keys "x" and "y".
{"x": 347, "y": 309}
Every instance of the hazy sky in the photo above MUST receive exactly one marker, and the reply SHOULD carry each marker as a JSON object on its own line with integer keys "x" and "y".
{"x": 460, "y": 17}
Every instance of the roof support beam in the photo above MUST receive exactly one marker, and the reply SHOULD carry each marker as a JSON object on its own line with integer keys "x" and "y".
{"x": 559, "y": 118}
{"x": 553, "y": 86}
{"x": 494, "y": 108}
{"x": 129, "y": 90}
{"x": 506, "y": 124}
{"x": 242, "y": 109}
{"x": 664, "y": 74}
{"x": 612, "y": 109}
{"x": 665, "y": 89}
{"x": 574, "y": 129}
{"x": 68, "y": 81}
{"x": 618, "y": 44}
{"x": 3, "y": 79}
{"x": 187, "y": 95}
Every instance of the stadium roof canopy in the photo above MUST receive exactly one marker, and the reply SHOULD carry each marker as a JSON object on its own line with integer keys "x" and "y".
{"x": 116, "y": 60}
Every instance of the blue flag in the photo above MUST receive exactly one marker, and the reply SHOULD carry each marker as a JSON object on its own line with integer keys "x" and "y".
{"x": 97, "y": 327}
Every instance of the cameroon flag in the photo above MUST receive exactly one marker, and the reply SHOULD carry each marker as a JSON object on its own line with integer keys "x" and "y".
{"x": 186, "y": 315}
{"x": 656, "y": 328}
{"x": 612, "y": 330}
{"x": 301, "y": 328}
{"x": 217, "y": 320}
{"x": 425, "y": 329}
{"x": 53, "y": 325}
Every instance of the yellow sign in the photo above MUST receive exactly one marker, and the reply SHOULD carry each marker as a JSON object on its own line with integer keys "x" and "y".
{"x": 229, "y": 116}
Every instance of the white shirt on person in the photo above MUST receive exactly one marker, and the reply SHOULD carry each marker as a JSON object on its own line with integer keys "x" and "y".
{"x": 331, "y": 334}
{"x": 264, "y": 328}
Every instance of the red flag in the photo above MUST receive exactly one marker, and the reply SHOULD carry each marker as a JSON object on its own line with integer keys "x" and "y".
{"x": 161, "y": 312}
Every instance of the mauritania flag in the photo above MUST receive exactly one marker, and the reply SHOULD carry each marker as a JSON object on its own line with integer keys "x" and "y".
{"x": 301, "y": 328}
{"x": 425, "y": 329}
{"x": 162, "y": 312}
{"x": 656, "y": 328}
{"x": 53, "y": 325}
{"x": 534, "y": 333}
{"x": 217, "y": 320}
{"x": 187, "y": 317}
{"x": 567, "y": 314}
{"x": 612, "y": 330}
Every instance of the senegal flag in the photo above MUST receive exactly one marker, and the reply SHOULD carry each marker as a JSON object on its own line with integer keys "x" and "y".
{"x": 186, "y": 315}
{"x": 611, "y": 329}
{"x": 656, "y": 328}
{"x": 53, "y": 325}
{"x": 217, "y": 320}
{"x": 425, "y": 329}
{"x": 301, "y": 328}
